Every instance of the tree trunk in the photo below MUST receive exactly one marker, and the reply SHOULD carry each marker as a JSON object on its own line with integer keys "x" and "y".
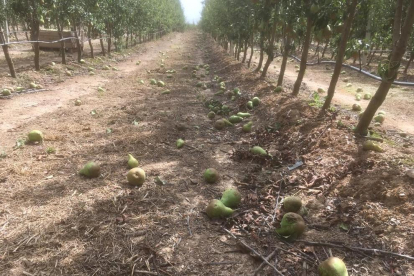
{"x": 236, "y": 52}
{"x": 14, "y": 25}
{"x": 240, "y": 51}
{"x": 259, "y": 66}
{"x": 324, "y": 49}
{"x": 78, "y": 43}
{"x": 396, "y": 31}
{"x": 236, "y": 47}
{"x": 109, "y": 41}
{"x": 102, "y": 44}
{"x": 7, "y": 55}
{"x": 317, "y": 49}
{"x": 245, "y": 51}
{"x": 340, "y": 55}
{"x": 284, "y": 61}
{"x": 126, "y": 41}
{"x": 304, "y": 60}
{"x": 270, "y": 57}
{"x": 34, "y": 33}
{"x": 26, "y": 28}
{"x": 62, "y": 43}
{"x": 90, "y": 40}
{"x": 251, "y": 50}
{"x": 270, "y": 51}
{"x": 388, "y": 79}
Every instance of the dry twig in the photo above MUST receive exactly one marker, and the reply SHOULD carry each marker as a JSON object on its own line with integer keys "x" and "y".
{"x": 261, "y": 266}
{"x": 254, "y": 252}
{"x": 358, "y": 249}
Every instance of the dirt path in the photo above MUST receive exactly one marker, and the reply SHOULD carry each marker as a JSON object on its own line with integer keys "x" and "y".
{"x": 26, "y": 107}
{"x": 73, "y": 223}
{"x": 54, "y": 222}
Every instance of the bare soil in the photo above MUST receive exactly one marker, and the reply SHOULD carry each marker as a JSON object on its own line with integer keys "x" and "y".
{"x": 55, "y": 222}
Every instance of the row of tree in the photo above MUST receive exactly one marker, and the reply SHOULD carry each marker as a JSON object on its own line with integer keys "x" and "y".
{"x": 347, "y": 27}
{"x": 121, "y": 22}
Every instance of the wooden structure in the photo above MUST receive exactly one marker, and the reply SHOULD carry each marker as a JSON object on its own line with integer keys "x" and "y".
{"x": 53, "y": 35}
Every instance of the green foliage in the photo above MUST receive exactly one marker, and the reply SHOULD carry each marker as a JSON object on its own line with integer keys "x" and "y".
{"x": 317, "y": 101}
{"x": 110, "y": 17}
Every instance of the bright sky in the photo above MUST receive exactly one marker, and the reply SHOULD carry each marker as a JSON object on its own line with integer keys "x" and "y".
{"x": 192, "y": 10}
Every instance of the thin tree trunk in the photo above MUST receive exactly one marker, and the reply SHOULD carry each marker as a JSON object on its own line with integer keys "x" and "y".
{"x": 284, "y": 61}
{"x": 304, "y": 60}
{"x": 245, "y": 51}
{"x": 14, "y": 30}
{"x": 237, "y": 48}
{"x": 240, "y": 51}
{"x": 109, "y": 41}
{"x": 259, "y": 66}
{"x": 270, "y": 52}
{"x": 26, "y": 28}
{"x": 7, "y": 55}
{"x": 324, "y": 49}
{"x": 388, "y": 79}
{"x": 62, "y": 43}
{"x": 127, "y": 38}
{"x": 90, "y": 40}
{"x": 396, "y": 31}
{"x": 78, "y": 43}
{"x": 317, "y": 49}
{"x": 340, "y": 55}
{"x": 35, "y": 37}
{"x": 102, "y": 44}
{"x": 251, "y": 50}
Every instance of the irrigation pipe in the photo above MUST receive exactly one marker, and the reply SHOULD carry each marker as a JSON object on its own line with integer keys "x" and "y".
{"x": 356, "y": 69}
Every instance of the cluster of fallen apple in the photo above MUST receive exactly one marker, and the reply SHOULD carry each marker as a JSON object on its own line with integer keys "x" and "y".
{"x": 158, "y": 83}
{"x": 230, "y": 198}
{"x": 222, "y": 208}
{"x": 197, "y": 68}
{"x": 136, "y": 176}
{"x": 222, "y": 123}
{"x": 293, "y": 226}
{"x": 9, "y": 90}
